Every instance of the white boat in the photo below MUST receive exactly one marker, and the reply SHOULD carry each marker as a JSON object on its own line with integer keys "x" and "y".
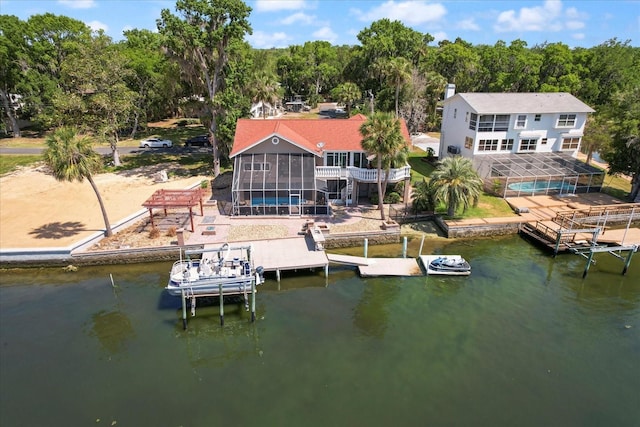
{"x": 227, "y": 268}
{"x": 451, "y": 265}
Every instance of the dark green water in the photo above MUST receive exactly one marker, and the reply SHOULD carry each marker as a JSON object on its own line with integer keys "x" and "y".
{"x": 523, "y": 341}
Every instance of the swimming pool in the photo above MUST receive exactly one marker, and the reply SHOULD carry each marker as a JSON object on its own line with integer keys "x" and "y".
{"x": 538, "y": 186}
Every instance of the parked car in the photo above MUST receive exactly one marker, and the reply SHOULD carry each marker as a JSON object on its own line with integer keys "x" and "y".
{"x": 154, "y": 142}
{"x": 202, "y": 140}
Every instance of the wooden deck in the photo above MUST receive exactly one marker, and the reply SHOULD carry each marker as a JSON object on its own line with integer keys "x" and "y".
{"x": 391, "y": 267}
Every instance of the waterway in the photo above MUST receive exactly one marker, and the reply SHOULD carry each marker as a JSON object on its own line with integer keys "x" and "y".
{"x": 522, "y": 341}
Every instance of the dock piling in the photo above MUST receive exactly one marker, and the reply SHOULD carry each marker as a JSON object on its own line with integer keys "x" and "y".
{"x": 366, "y": 247}
{"x": 253, "y": 298}
{"x": 421, "y": 244}
{"x": 404, "y": 247}
{"x": 184, "y": 310}
{"x": 221, "y": 306}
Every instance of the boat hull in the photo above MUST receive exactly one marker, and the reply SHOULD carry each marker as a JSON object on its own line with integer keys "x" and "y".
{"x": 445, "y": 265}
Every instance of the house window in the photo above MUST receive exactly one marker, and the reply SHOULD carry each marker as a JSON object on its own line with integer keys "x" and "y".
{"x": 521, "y": 121}
{"x": 537, "y": 118}
{"x": 566, "y": 120}
{"x": 493, "y": 123}
{"x": 570, "y": 143}
{"x": 466, "y": 117}
{"x": 468, "y": 142}
{"x": 544, "y": 141}
{"x": 488, "y": 145}
{"x": 337, "y": 159}
{"x": 455, "y": 113}
{"x": 473, "y": 121}
{"x": 507, "y": 144}
{"x": 528, "y": 144}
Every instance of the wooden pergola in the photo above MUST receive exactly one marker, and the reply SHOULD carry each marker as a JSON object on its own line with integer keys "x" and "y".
{"x": 165, "y": 199}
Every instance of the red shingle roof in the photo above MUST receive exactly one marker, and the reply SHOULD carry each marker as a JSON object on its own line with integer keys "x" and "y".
{"x": 336, "y": 134}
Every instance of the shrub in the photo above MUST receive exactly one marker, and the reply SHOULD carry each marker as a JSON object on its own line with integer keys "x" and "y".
{"x": 172, "y": 231}
{"x": 154, "y": 233}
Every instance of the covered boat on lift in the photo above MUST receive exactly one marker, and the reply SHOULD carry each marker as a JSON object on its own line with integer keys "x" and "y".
{"x": 226, "y": 268}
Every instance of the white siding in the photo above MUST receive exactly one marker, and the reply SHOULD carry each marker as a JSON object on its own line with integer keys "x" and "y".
{"x": 455, "y": 128}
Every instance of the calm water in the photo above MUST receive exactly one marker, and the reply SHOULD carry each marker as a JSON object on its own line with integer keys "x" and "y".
{"x": 523, "y": 341}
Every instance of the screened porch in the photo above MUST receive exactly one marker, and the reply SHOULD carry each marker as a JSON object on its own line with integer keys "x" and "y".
{"x": 516, "y": 175}
{"x": 277, "y": 184}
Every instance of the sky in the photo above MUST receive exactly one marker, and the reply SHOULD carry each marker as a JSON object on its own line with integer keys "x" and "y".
{"x": 282, "y": 23}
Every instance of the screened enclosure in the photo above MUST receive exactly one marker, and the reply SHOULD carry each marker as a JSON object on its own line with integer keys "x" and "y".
{"x": 515, "y": 175}
{"x": 277, "y": 184}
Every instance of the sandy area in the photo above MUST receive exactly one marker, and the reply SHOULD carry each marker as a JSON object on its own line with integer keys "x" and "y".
{"x": 38, "y": 211}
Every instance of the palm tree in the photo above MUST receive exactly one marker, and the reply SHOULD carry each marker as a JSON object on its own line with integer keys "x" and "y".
{"x": 347, "y": 93}
{"x": 266, "y": 90}
{"x": 71, "y": 158}
{"x": 382, "y": 138}
{"x": 398, "y": 71}
{"x": 456, "y": 182}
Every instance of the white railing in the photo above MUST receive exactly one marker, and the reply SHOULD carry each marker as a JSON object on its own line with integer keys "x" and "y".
{"x": 361, "y": 174}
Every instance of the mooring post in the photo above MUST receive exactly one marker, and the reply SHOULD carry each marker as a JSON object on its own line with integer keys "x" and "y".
{"x": 557, "y": 248}
{"x": 326, "y": 270}
{"x": 586, "y": 268}
{"x": 404, "y": 247}
{"x": 184, "y": 310}
{"x": 253, "y": 297}
{"x": 221, "y": 306}
{"x": 421, "y": 243}
{"x": 278, "y": 275}
{"x": 366, "y": 247}
{"x": 628, "y": 261}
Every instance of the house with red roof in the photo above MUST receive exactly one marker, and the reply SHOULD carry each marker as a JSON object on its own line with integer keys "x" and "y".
{"x": 301, "y": 166}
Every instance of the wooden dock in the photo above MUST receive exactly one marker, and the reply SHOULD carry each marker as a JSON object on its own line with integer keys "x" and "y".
{"x": 391, "y": 267}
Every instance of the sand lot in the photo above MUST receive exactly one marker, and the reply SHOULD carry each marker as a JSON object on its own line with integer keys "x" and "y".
{"x": 36, "y": 211}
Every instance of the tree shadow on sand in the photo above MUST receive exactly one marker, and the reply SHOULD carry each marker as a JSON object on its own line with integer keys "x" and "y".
{"x": 57, "y": 230}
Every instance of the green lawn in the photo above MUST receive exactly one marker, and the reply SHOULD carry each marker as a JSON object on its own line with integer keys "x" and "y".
{"x": 10, "y": 162}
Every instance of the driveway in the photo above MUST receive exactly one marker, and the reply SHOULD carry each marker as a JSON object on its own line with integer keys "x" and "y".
{"x": 424, "y": 141}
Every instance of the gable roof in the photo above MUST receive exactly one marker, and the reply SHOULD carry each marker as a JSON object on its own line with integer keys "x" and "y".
{"x": 536, "y": 102}
{"x": 335, "y": 134}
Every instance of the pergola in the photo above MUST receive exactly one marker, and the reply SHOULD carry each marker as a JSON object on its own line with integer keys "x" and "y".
{"x": 165, "y": 199}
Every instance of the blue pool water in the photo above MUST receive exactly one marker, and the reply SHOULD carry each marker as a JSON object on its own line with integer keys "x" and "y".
{"x": 537, "y": 186}
{"x": 256, "y": 201}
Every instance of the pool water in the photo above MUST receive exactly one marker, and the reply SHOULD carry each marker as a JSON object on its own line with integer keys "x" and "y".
{"x": 537, "y": 186}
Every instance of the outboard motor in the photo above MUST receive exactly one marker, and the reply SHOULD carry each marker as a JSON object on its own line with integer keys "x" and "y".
{"x": 260, "y": 272}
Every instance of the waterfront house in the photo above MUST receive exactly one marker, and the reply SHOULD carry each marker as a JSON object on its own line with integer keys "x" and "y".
{"x": 520, "y": 143}
{"x": 301, "y": 166}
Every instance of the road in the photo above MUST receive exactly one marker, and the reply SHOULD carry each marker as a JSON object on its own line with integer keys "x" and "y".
{"x": 107, "y": 150}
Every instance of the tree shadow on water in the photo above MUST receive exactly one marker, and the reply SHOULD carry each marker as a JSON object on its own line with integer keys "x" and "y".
{"x": 57, "y": 230}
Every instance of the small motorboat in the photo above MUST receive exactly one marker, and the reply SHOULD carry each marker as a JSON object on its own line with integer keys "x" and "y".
{"x": 452, "y": 265}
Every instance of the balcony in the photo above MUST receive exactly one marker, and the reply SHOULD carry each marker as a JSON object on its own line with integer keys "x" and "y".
{"x": 361, "y": 174}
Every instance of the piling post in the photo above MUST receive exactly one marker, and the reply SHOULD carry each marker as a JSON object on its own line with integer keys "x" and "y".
{"x": 421, "y": 243}
{"x": 278, "y": 275}
{"x": 221, "y": 306}
{"x": 253, "y": 297}
{"x": 586, "y": 267}
{"x": 184, "y": 310}
{"x": 326, "y": 270}
{"x": 557, "y": 248}
{"x": 366, "y": 247}
{"x": 404, "y": 247}
{"x": 628, "y": 261}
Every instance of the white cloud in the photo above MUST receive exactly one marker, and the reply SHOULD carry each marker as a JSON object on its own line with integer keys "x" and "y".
{"x": 78, "y": 4}
{"x": 548, "y": 17}
{"x": 298, "y": 18}
{"x": 260, "y": 39}
{"x": 409, "y": 12}
{"x": 468, "y": 24}
{"x": 439, "y": 36}
{"x": 97, "y": 25}
{"x": 325, "y": 33}
{"x": 578, "y": 36}
{"x": 574, "y": 25}
{"x": 275, "y": 5}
